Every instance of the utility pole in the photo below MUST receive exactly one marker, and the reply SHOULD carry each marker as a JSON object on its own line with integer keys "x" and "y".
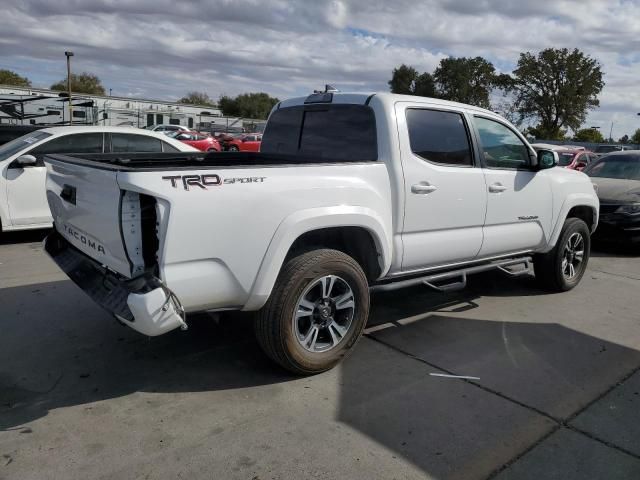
{"x": 69, "y": 55}
{"x": 611, "y": 133}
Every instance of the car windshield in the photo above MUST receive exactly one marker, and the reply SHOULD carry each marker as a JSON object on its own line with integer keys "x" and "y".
{"x": 624, "y": 167}
{"x": 565, "y": 158}
{"x": 20, "y": 143}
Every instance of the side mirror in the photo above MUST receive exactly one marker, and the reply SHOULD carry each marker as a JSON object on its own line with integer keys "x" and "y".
{"x": 580, "y": 166}
{"x": 547, "y": 159}
{"x": 25, "y": 161}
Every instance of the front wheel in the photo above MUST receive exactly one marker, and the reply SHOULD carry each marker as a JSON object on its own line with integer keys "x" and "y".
{"x": 562, "y": 268}
{"x": 316, "y": 312}
{"x": 234, "y": 148}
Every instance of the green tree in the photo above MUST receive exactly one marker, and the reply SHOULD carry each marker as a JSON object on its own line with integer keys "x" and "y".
{"x": 425, "y": 85}
{"x": 466, "y": 80}
{"x": 541, "y": 133}
{"x": 198, "y": 98}
{"x": 81, "y": 83}
{"x": 247, "y": 105}
{"x": 403, "y": 80}
{"x": 7, "y": 77}
{"x": 588, "y": 135}
{"x": 635, "y": 138}
{"x": 557, "y": 87}
{"x": 624, "y": 139}
{"x": 406, "y": 80}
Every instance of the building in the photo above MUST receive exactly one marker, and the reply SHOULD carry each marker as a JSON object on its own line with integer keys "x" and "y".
{"x": 38, "y": 106}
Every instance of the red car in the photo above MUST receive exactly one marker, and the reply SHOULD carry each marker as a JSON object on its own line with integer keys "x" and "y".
{"x": 204, "y": 143}
{"x": 249, "y": 142}
{"x": 575, "y": 159}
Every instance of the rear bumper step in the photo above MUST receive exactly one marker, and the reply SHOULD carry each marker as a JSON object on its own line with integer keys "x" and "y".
{"x": 142, "y": 303}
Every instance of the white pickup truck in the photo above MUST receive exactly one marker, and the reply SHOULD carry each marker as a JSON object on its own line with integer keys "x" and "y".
{"x": 350, "y": 194}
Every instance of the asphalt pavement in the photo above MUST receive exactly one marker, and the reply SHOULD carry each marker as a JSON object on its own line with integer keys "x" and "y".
{"x": 555, "y": 391}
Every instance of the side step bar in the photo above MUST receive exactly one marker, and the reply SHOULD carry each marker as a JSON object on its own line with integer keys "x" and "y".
{"x": 458, "y": 276}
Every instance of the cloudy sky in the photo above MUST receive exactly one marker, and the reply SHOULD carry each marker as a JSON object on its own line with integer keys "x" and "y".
{"x": 164, "y": 48}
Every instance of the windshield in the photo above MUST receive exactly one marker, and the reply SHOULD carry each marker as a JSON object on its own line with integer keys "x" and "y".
{"x": 21, "y": 143}
{"x": 624, "y": 167}
{"x": 565, "y": 159}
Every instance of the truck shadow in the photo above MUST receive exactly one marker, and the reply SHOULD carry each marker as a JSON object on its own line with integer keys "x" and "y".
{"x": 26, "y": 236}
{"x": 59, "y": 350}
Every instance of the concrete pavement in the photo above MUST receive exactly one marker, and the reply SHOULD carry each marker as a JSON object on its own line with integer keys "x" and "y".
{"x": 83, "y": 397}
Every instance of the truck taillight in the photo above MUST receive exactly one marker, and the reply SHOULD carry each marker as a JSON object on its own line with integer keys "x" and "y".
{"x": 138, "y": 220}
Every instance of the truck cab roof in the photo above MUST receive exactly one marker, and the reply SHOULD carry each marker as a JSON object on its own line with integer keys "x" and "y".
{"x": 364, "y": 98}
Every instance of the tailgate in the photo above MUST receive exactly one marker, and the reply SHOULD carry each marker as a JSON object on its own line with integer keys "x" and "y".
{"x": 87, "y": 206}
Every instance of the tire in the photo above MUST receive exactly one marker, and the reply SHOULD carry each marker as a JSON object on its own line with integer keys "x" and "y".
{"x": 233, "y": 148}
{"x": 551, "y": 272}
{"x": 284, "y": 320}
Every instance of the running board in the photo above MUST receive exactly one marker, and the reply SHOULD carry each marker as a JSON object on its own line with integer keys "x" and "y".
{"x": 459, "y": 276}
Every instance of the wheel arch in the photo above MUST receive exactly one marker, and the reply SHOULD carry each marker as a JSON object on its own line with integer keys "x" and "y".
{"x": 583, "y": 206}
{"x": 356, "y": 231}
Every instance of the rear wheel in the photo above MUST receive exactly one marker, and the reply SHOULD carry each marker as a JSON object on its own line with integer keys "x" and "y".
{"x": 562, "y": 268}
{"x": 316, "y": 312}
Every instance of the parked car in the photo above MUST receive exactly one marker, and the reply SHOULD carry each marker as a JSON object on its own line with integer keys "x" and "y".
{"x": 617, "y": 177}
{"x": 570, "y": 156}
{"x": 204, "y": 143}
{"x": 168, "y": 128}
{"x": 23, "y": 202}
{"x": 604, "y": 149}
{"x": 576, "y": 159}
{"x": 370, "y": 192}
{"x": 248, "y": 142}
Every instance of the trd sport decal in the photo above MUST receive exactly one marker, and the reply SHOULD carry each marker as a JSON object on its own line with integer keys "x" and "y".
{"x": 209, "y": 180}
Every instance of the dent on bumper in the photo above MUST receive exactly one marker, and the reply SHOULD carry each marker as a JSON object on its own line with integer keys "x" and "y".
{"x": 141, "y": 303}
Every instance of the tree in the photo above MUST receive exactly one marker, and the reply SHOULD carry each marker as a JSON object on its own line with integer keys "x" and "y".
{"x": 7, "y": 77}
{"x": 635, "y": 138}
{"x": 624, "y": 139}
{"x": 557, "y": 87}
{"x": 81, "y": 83}
{"x": 541, "y": 133}
{"x": 406, "y": 80}
{"x": 247, "y": 105}
{"x": 588, "y": 135}
{"x": 198, "y": 98}
{"x": 466, "y": 80}
{"x": 425, "y": 86}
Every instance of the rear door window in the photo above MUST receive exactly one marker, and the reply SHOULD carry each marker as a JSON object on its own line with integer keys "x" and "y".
{"x": 334, "y": 133}
{"x": 73, "y": 143}
{"x": 129, "y": 142}
{"x": 439, "y": 137}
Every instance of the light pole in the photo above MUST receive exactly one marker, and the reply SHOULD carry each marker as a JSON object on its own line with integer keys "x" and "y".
{"x": 611, "y": 134}
{"x": 69, "y": 55}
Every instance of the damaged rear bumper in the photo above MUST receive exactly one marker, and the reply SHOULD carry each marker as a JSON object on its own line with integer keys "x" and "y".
{"x": 142, "y": 303}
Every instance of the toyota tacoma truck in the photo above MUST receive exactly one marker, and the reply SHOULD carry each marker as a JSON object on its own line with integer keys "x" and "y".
{"x": 349, "y": 195}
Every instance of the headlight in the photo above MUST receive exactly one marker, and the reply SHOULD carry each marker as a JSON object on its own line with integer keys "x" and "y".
{"x": 632, "y": 209}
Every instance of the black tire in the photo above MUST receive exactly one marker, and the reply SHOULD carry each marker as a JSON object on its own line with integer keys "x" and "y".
{"x": 233, "y": 148}
{"x": 548, "y": 267}
{"x": 274, "y": 324}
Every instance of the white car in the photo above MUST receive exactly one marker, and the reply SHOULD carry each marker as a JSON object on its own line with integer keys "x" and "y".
{"x": 168, "y": 128}
{"x": 350, "y": 193}
{"x": 23, "y": 201}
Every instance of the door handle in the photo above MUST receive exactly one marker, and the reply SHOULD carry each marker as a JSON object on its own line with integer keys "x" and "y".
{"x": 497, "y": 188}
{"x": 423, "y": 188}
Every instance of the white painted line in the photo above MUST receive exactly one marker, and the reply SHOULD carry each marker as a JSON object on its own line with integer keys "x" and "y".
{"x": 465, "y": 377}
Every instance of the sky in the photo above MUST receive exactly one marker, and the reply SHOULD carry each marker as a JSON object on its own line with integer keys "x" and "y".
{"x": 165, "y": 48}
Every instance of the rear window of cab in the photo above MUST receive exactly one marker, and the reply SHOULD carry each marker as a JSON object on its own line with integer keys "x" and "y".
{"x": 334, "y": 133}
